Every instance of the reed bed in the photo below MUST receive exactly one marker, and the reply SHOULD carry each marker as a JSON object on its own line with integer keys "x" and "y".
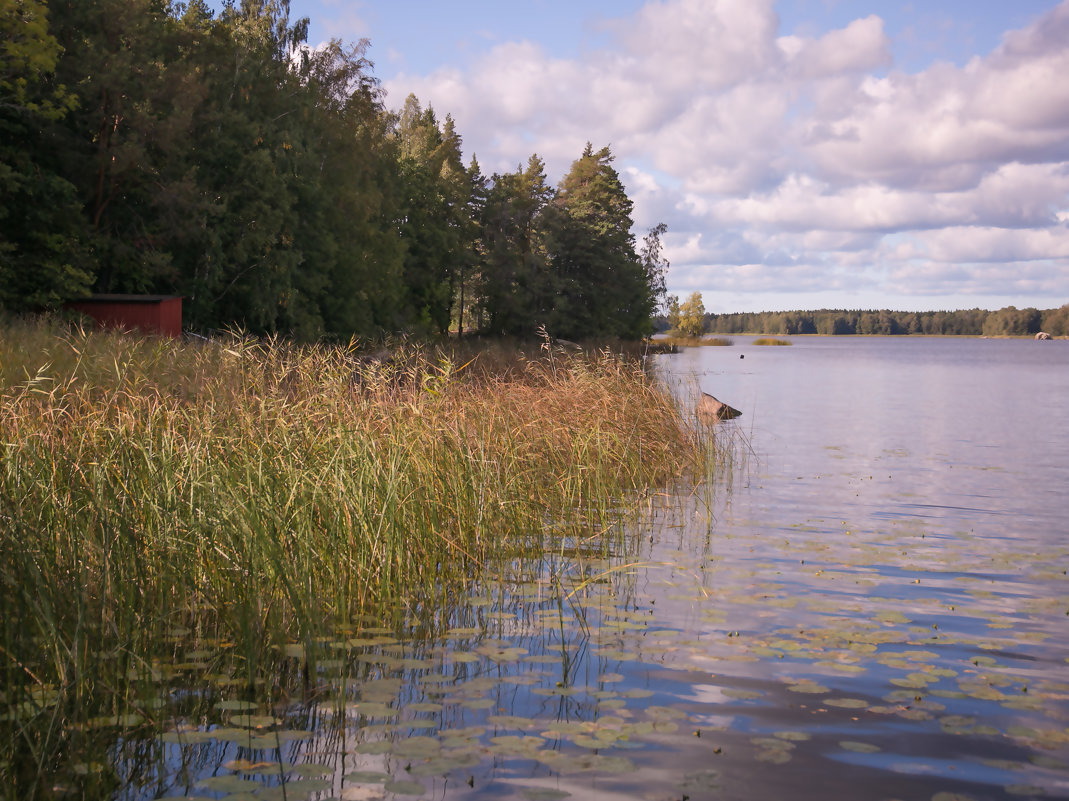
{"x": 694, "y": 342}
{"x": 257, "y": 495}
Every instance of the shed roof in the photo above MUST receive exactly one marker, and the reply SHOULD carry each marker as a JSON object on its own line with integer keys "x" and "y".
{"x": 126, "y": 298}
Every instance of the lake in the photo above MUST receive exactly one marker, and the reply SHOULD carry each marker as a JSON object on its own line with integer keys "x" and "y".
{"x": 872, "y": 603}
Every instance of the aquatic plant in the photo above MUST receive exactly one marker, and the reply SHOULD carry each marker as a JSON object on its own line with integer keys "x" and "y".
{"x": 690, "y": 342}
{"x": 252, "y": 496}
{"x": 771, "y": 341}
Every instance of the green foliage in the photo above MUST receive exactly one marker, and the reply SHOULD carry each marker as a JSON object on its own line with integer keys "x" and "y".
{"x": 602, "y": 286}
{"x": 43, "y": 256}
{"x": 691, "y": 322}
{"x": 566, "y": 260}
{"x": 217, "y": 157}
{"x": 435, "y": 224}
{"x": 28, "y": 55}
{"x": 1009, "y": 321}
{"x": 516, "y": 283}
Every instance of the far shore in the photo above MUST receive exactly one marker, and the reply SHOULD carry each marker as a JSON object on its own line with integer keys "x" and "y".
{"x": 708, "y": 340}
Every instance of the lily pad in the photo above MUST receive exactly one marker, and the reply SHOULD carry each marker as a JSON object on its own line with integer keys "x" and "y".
{"x": 405, "y": 787}
{"x": 228, "y": 784}
{"x": 367, "y": 777}
{"x": 543, "y": 794}
{"x": 859, "y": 747}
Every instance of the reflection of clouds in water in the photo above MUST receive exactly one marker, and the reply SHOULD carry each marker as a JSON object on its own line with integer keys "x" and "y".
{"x": 711, "y": 695}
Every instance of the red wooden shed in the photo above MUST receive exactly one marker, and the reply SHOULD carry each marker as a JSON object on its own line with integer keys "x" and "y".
{"x": 152, "y": 314}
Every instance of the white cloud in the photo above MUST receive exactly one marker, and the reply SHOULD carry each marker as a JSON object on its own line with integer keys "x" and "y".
{"x": 795, "y": 163}
{"x": 859, "y": 47}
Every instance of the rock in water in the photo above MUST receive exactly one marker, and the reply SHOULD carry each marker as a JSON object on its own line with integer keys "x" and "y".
{"x": 712, "y": 409}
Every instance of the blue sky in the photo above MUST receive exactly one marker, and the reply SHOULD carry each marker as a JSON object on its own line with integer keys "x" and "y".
{"x": 804, "y": 153}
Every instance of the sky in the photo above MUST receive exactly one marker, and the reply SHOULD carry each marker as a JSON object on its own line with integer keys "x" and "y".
{"x": 804, "y": 154}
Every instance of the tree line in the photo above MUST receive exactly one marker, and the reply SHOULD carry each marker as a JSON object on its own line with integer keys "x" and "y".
{"x": 1008, "y": 321}
{"x": 151, "y": 146}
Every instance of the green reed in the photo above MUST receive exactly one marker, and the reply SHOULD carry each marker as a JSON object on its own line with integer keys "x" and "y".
{"x": 258, "y": 494}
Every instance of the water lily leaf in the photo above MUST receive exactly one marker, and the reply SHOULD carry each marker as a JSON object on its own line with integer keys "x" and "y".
{"x": 843, "y": 667}
{"x": 511, "y": 743}
{"x": 543, "y": 794}
{"x": 405, "y": 787}
{"x": 664, "y": 713}
{"x": 586, "y": 741}
{"x": 469, "y": 733}
{"x": 500, "y": 655}
{"x": 373, "y": 709}
{"x": 562, "y": 691}
{"x": 558, "y": 727}
{"x": 374, "y": 747}
{"x": 302, "y": 788}
{"x": 891, "y": 616}
{"x": 236, "y": 706}
{"x": 419, "y": 724}
{"x": 1044, "y": 761}
{"x": 421, "y": 746}
{"x": 913, "y": 680}
{"x": 231, "y": 734}
{"x": 702, "y": 780}
{"x": 311, "y": 769}
{"x": 292, "y": 735}
{"x": 228, "y": 784}
{"x": 366, "y": 777}
{"x": 777, "y": 756}
{"x": 424, "y": 706}
{"x": 846, "y": 703}
{"x": 266, "y": 742}
{"x": 772, "y": 742}
{"x": 808, "y": 686}
{"x": 115, "y": 721}
{"x": 617, "y": 655}
{"x": 254, "y": 721}
{"x": 363, "y": 794}
{"x": 914, "y": 714}
{"x": 434, "y": 766}
{"x": 858, "y": 747}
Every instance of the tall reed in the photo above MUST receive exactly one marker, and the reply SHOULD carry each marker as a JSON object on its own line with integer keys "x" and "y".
{"x": 256, "y": 494}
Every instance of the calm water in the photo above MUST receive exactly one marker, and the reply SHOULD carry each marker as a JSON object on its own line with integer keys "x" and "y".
{"x": 875, "y": 606}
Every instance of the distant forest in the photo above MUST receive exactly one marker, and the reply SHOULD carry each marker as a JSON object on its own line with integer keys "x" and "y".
{"x": 1009, "y": 321}
{"x": 150, "y": 146}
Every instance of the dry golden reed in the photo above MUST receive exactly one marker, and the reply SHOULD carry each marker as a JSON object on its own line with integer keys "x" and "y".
{"x": 257, "y": 493}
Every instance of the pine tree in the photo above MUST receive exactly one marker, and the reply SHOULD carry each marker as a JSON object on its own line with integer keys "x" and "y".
{"x": 602, "y": 286}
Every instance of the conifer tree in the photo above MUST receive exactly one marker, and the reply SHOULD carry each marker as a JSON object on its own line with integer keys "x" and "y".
{"x": 602, "y": 286}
